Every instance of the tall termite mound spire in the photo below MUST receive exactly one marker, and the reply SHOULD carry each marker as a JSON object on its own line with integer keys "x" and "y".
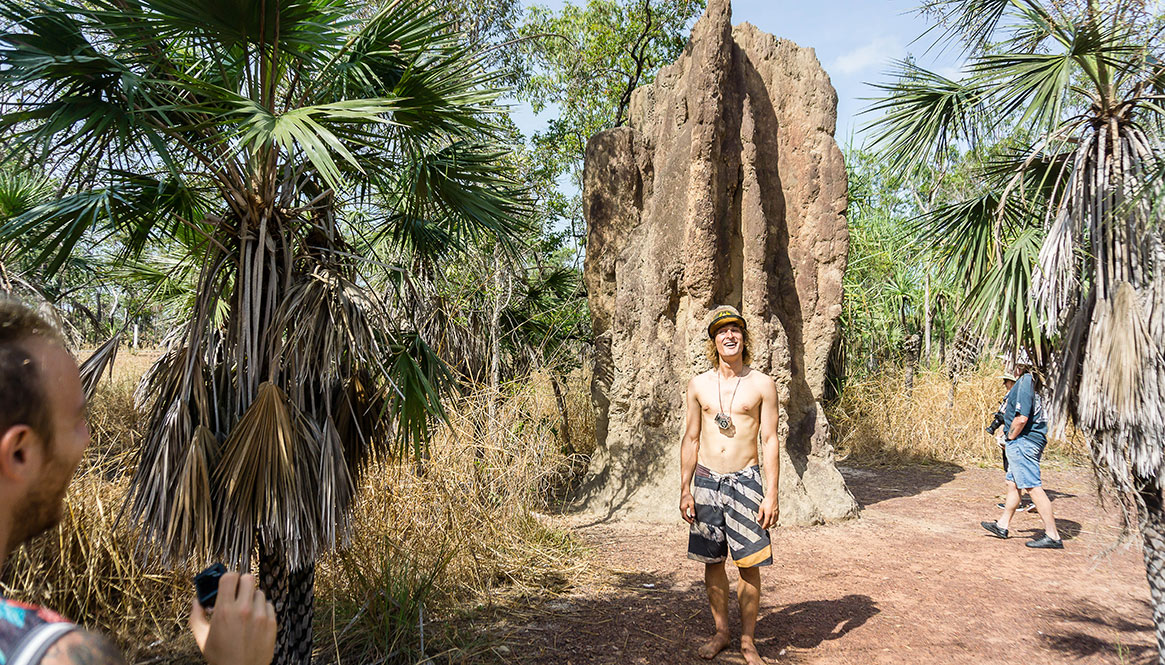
{"x": 726, "y": 188}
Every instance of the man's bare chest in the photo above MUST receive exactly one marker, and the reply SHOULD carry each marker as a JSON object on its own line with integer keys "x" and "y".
{"x": 729, "y": 398}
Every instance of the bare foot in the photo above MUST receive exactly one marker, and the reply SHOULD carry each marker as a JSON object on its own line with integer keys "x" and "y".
{"x": 714, "y": 646}
{"x": 751, "y": 655}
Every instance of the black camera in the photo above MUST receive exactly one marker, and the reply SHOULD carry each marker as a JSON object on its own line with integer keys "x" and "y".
{"x": 206, "y": 584}
{"x": 995, "y": 423}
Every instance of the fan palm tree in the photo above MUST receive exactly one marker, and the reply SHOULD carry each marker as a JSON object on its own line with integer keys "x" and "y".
{"x": 1061, "y": 251}
{"x": 272, "y": 139}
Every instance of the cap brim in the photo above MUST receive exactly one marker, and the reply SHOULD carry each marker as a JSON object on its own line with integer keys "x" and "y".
{"x": 723, "y": 321}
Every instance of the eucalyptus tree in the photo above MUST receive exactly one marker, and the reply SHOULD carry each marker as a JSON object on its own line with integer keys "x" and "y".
{"x": 266, "y": 141}
{"x": 586, "y": 59}
{"x": 1061, "y": 251}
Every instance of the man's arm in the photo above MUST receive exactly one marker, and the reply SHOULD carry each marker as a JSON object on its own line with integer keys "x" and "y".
{"x": 1017, "y": 425}
{"x": 770, "y": 451}
{"x": 81, "y": 647}
{"x": 689, "y": 452}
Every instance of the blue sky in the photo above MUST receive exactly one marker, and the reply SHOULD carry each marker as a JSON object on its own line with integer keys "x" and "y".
{"x": 855, "y": 40}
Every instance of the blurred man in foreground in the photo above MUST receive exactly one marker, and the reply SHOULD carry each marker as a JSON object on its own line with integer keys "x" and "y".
{"x": 43, "y": 435}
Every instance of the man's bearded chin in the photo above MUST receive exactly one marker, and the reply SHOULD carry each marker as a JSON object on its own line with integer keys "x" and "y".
{"x": 41, "y": 509}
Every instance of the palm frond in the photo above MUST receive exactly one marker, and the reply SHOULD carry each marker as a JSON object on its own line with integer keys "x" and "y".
{"x": 999, "y": 302}
{"x": 967, "y": 236}
{"x": 98, "y": 363}
{"x": 468, "y": 187}
{"x": 268, "y": 469}
{"x": 417, "y": 375}
{"x": 922, "y": 114}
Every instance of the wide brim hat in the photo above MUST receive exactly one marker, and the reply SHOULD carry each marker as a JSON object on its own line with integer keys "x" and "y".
{"x": 1007, "y": 376}
{"x": 722, "y": 316}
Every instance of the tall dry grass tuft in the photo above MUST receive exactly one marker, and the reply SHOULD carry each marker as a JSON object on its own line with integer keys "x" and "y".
{"x": 458, "y": 530}
{"x": 433, "y": 540}
{"x": 877, "y": 421}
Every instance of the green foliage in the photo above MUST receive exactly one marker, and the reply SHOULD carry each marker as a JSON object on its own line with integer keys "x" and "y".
{"x": 235, "y": 159}
{"x": 585, "y": 60}
{"x": 886, "y": 275}
{"x": 1039, "y": 78}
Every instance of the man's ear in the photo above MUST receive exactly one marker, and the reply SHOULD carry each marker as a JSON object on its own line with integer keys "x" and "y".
{"x": 19, "y": 452}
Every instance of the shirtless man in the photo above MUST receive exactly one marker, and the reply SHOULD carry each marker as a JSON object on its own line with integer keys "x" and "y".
{"x": 729, "y": 512}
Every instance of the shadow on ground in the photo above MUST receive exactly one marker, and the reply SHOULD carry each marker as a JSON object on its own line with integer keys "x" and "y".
{"x": 1068, "y": 529}
{"x": 643, "y": 618}
{"x": 871, "y": 485}
{"x": 806, "y": 625}
{"x": 1118, "y": 636}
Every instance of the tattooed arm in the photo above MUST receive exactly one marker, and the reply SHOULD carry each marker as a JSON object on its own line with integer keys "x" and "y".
{"x": 81, "y": 647}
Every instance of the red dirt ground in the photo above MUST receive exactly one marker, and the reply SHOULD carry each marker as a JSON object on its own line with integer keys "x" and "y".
{"x": 915, "y": 580}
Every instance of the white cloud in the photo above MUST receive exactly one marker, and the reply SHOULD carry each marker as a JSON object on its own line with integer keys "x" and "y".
{"x": 874, "y": 53}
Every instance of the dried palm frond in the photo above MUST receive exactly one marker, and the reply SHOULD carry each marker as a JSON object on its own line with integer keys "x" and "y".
{"x": 1118, "y": 355}
{"x": 98, "y": 363}
{"x": 265, "y": 478}
{"x": 192, "y": 512}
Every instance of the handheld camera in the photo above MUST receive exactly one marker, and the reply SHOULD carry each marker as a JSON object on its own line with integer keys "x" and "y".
{"x": 206, "y": 584}
{"x": 995, "y": 423}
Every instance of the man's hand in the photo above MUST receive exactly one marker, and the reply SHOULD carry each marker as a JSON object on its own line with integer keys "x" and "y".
{"x": 241, "y": 629}
{"x": 768, "y": 513}
{"x": 688, "y": 507}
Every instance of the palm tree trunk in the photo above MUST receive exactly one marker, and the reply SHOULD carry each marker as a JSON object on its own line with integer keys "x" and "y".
{"x": 293, "y": 594}
{"x": 1153, "y": 534}
{"x": 911, "y": 348}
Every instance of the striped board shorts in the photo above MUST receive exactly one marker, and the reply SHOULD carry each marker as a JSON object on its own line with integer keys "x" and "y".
{"x": 726, "y": 506}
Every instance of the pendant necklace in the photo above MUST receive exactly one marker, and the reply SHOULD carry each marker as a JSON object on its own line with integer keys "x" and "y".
{"x": 723, "y": 420}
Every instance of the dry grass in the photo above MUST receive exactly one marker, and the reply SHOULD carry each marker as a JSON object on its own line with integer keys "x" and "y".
{"x": 877, "y": 422}
{"x": 439, "y": 539}
{"x": 458, "y": 531}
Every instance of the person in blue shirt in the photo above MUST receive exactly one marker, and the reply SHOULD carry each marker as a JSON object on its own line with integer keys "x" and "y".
{"x": 1027, "y": 433}
{"x": 1001, "y": 437}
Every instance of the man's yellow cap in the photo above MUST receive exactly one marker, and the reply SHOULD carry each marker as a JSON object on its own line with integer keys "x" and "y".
{"x": 722, "y": 316}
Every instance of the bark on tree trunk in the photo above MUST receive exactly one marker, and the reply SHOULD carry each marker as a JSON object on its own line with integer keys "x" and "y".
{"x": 1153, "y": 535}
{"x": 942, "y": 347}
{"x": 910, "y": 346}
{"x": 929, "y": 317}
{"x": 292, "y": 592}
{"x": 561, "y": 400}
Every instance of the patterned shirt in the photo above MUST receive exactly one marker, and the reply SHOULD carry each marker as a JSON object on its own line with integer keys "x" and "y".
{"x": 19, "y": 623}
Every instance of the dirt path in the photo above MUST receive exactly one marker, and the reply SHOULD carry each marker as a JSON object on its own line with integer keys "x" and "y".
{"x": 916, "y": 580}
